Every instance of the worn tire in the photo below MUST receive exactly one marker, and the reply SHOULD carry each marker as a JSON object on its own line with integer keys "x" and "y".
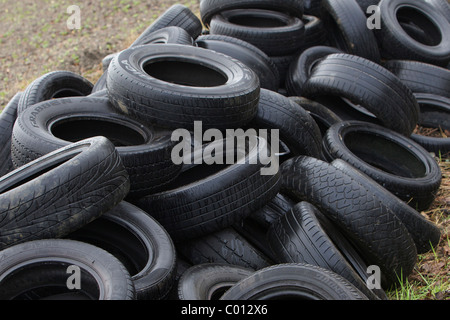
{"x": 140, "y": 243}
{"x": 7, "y": 118}
{"x": 248, "y": 54}
{"x": 374, "y": 87}
{"x": 293, "y": 281}
{"x": 375, "y": 230}
{"x": 301, "y": 67}
{"x": 297, "y": 128}
{"x": 396, "y": 43}
{"x": 346, "y": 24}
{"x": 426, "y": 234}
{"x": 175, "y": 96}
{"x": 209, "y": 8}
{"x": 145, "y": 151}
{"x": 208, "y": 281}
{"x": 275, "y": 33}
{"x": 208, "y": 198}
{"x": 26, "y": 270}
{"x": 434, "y": 113}
{"x": 55, "y": 84}
{"x": 61, "y": 191}
{"x": 298, "y": 237}
{"x": 421, "y": 77}
{"x": 177, "y": 15}
{"x": 394, "y": 161}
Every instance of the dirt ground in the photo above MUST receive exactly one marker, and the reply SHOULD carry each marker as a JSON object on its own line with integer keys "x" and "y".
{"x": 35, "y": 39}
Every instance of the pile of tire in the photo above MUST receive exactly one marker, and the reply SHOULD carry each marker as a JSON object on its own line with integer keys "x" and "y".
{"x": 88, "y": 180}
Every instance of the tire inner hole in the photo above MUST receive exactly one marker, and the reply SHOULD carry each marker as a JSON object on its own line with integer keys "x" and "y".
{"x": 418, "y": 26}
{"x": 384, "y": 154}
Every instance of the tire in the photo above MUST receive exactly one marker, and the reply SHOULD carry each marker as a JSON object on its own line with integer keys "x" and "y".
{"x": 177, "y": 15}
{"x": 297, "y": 237}
{"x": 140, "y": 243}
{"x": 56, "y": 84}
{"x": 323, "y": 116}
{"x": 297, "y": 129}
{"x": 313, "y": 7}
{"x": 208, "y": 198}
{"x": 301, "y": 68}
{"x": 394, "y": 161}
{"x": 61, "y": 191}
{"x": 40, "y": 269}
{"x": 293, "y": 281}
{"x": 209, "y": 281}
{"x": 434, "y": 113}
{"x": 347, "y": 26}
{"x": 315, "y": 32}
{"x": 396, "y": 43}
{"x": 379, "y": 235}
{"x": 224, "y": 246}
{"x": 225, "y": 96}
{"x": 166, "y": 35}
{"x": 248, "y": 54}
{"x": 421, "y": 77}
{"x": 441, "y": 5}
{"x": 145, "y": 151}
{"x": 282, "y": 63}
{"x": 426, "y": 234}
{"x": 375, "y": 86}
{"x": 209, "y": 8}
{"x": 274, "y": 33}
{"x": 7, "y": 118}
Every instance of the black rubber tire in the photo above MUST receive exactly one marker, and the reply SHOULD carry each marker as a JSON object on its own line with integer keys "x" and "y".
{"x": 374, "y": 87}
{"x": 145, "y": 151}
{"x": 169, "y": 34}
{"x": 297, "y": 128}
{"x": 61, "y": 191}
{"x": 282, "y": 63}
{"x": 315, "y": 32}
{"x": 434, "y": 113}
{"x": 298, "y": 237}
{"x": 312, "y": 7}
{"x": 166, "y": 35}
{"x": 396, "y": 43}
{"x": 323, "y": 116}
{"x": 38, "y": 269}
{"x": 208, "y": 198}
{"x": 421, "y": 77}
{"x": 394, "y": 161}
{"x": 224, "y": 96}
{"x": 301, "y": 67}
{"x": 346, "y": 24}
{"x": 275, "y": 33}
{"x": 293, "y": 281}
{"x": 177, "y": 15}
{"x": 425, "y": 233}
{"x": 379, "y": 235}
{"x": 55, "y": 84}
{"x": 441, "y": 5}
{"x": 140, "y": 243}
{"x": 208, "y": 281}
{"x": 224, "y": 246}
{"x": 7, "y": 118}
{"x": 209, "y": 8}
{"x": 248, "y": 54}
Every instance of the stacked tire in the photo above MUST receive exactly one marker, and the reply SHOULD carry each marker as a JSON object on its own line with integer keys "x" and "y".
{"x": 90, "y": 182}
